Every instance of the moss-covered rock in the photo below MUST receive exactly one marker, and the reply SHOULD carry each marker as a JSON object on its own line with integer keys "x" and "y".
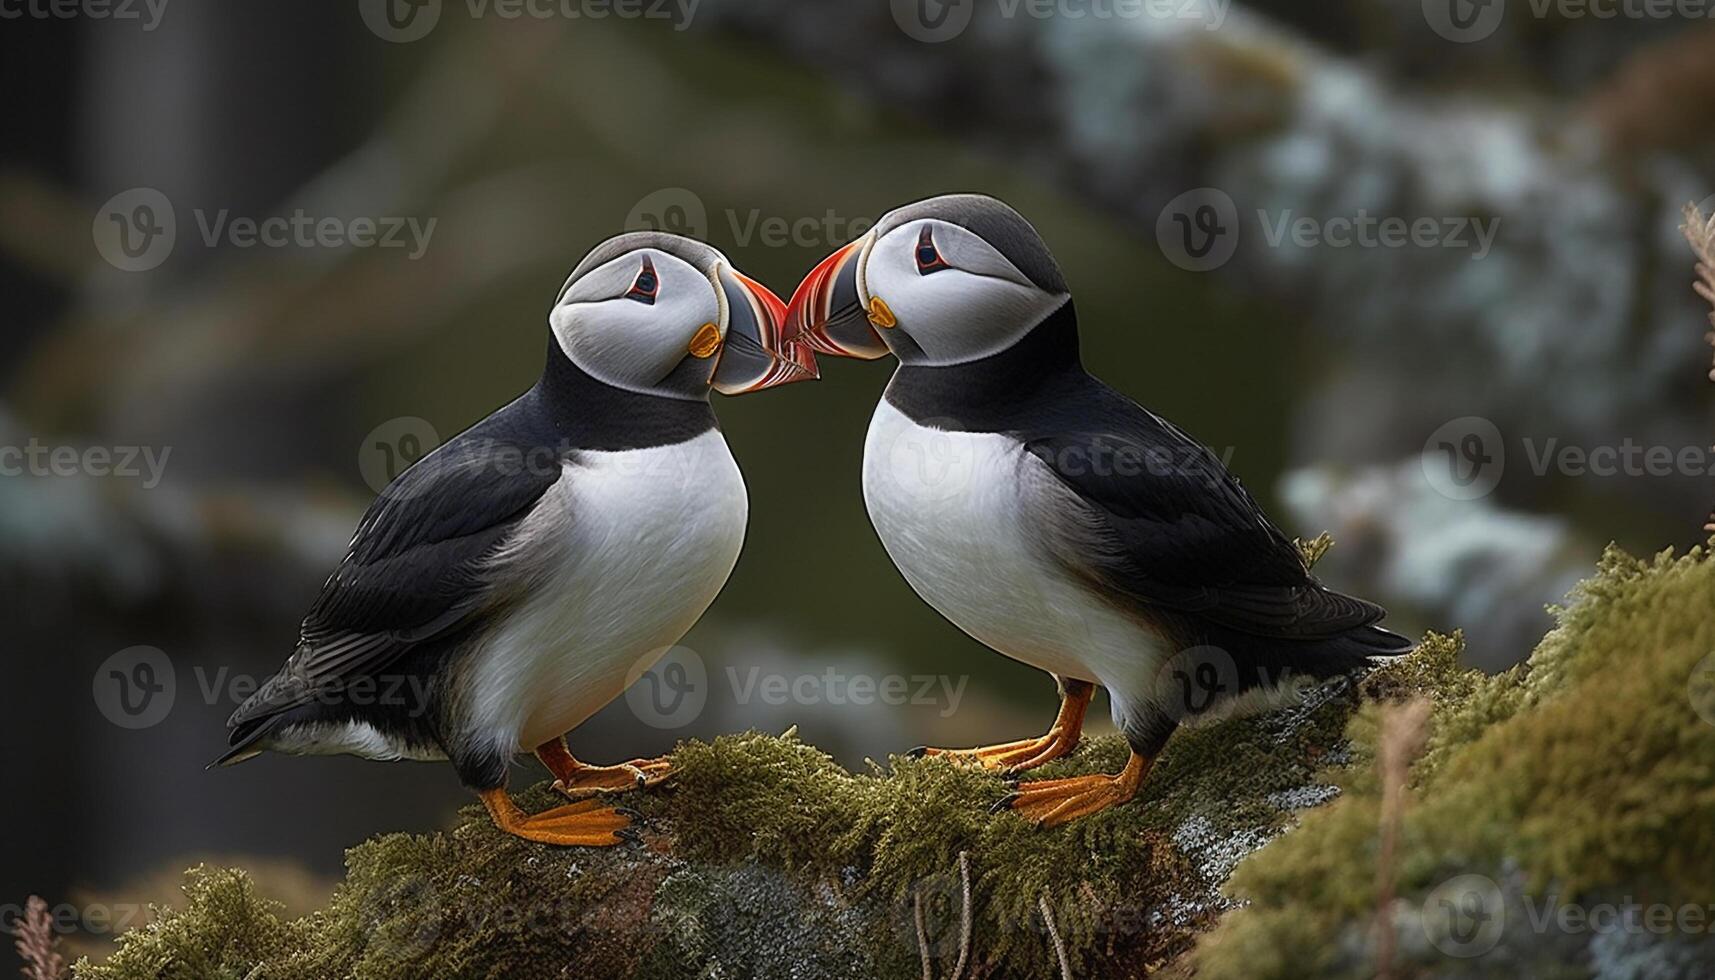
{"x": 767, "y": 859}
{"x": 1561, "y": 821}
{"x": 1587, "y": 773}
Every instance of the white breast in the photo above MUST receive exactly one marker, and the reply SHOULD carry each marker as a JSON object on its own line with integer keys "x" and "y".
{"x": 622, "y": 556}
{"x": 950, "y": 508}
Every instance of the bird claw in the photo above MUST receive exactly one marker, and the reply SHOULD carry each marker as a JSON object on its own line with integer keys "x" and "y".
{"x": 591, "y": 781}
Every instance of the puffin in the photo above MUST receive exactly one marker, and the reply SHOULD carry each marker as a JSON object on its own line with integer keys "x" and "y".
{"x": 509, "y": 584}
{"x": 1054, "y": 519}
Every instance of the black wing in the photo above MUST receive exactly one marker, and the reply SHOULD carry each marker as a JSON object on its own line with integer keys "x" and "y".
{"x": 415, "y": 570}
{"x": 1159, "y": 520}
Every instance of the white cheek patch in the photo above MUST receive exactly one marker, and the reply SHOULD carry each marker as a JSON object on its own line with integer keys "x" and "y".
{"x": 626, "y": 343}
{"x": 980, "y": 306}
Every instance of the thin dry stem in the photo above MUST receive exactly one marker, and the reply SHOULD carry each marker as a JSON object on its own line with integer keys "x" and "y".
{"x": 1404, "y": 730}
{"x": 922, "y": 934}
{"x": 1054, "y": 934}
{"x": 964, "y": 915}
{"x": 1700, "y": 232}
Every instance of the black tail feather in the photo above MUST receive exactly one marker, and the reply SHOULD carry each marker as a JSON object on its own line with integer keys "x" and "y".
{"x": 242, "y": 739}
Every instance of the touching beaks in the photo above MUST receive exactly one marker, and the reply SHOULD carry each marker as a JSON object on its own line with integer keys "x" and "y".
{"x": 760, "y": 349}
{"x": 826, "y": 314}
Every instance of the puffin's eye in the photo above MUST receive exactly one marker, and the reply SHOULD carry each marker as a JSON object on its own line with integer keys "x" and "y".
{"x": 644, "y": 289}
{"x": 928, "y": 257}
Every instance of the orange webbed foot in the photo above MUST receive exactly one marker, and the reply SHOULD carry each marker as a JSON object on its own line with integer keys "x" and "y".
{"x": 586, "y": 824}
{"x": 1056, "y": 802}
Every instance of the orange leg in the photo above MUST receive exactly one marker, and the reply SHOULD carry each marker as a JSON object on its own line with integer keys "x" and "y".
{"x": 579, "y": 781}
{"x": 1029, "y": 753}
{"x": 1052, "y": 802}
{"x": 577, "y": 825}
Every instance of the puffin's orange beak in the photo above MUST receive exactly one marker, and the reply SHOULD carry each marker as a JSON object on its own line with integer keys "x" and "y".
{"x": 827, "y": 315}
{"x": 760, "y": 349}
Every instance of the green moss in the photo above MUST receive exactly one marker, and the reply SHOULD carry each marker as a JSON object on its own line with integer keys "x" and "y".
{"x": 765, "y": 858}
{"x": 1585, "y": 772}
{"x": 224, "y": 930}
